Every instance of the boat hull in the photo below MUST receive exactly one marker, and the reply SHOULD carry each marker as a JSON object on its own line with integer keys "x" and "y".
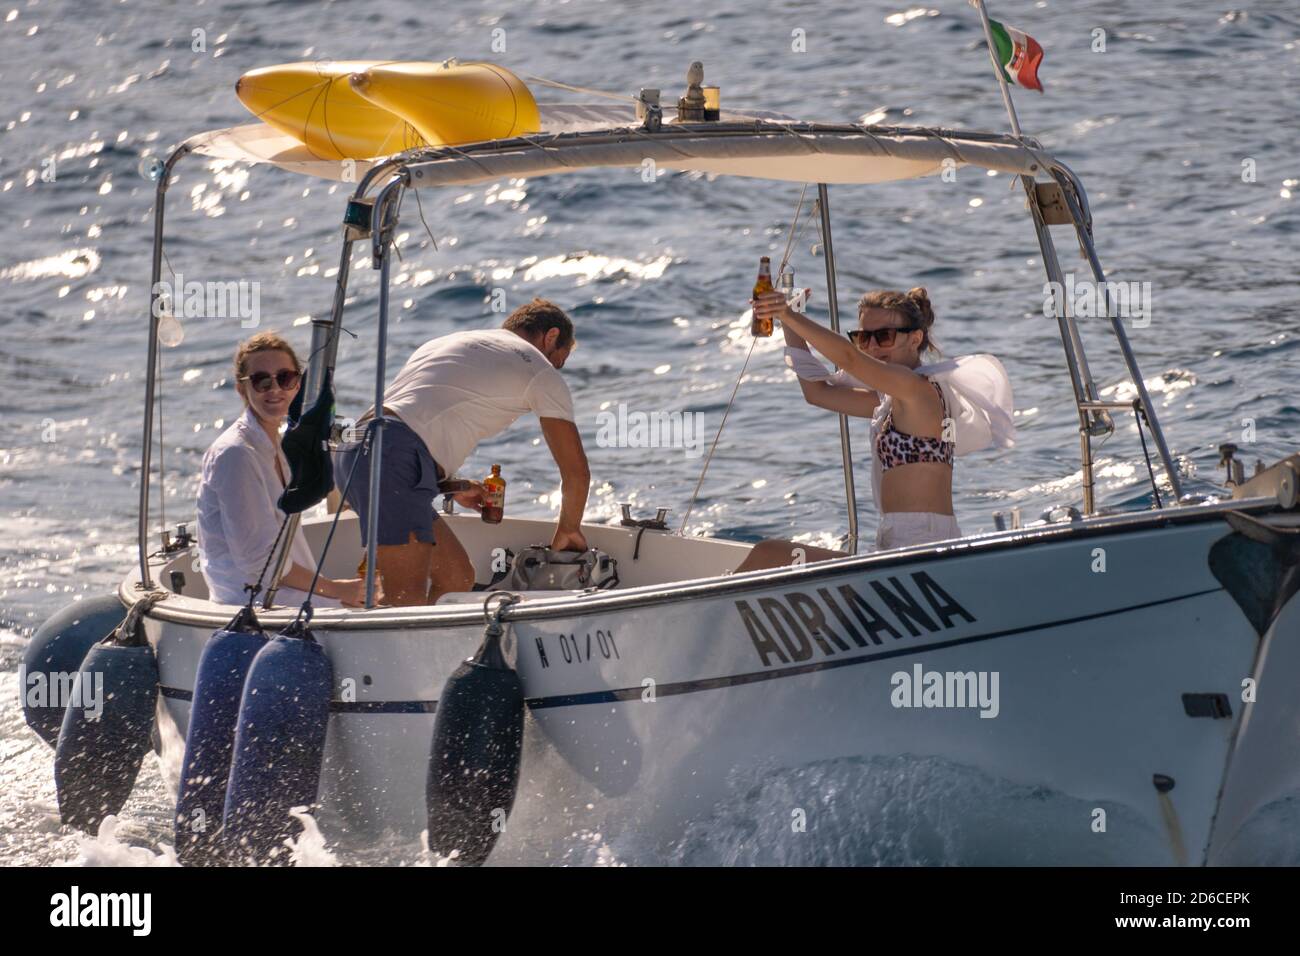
{"x": 1088, "y": 701}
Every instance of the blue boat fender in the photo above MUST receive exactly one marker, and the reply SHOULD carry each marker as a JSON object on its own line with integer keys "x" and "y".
{"x": 54, "y": 655}
{"x": 210, "y": 740}
{"x": 279, "y": 746}
{"x": 108, "y": 723}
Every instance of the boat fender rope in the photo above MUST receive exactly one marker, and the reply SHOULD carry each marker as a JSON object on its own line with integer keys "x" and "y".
{"x": 507, "y": 599}
{"x": 255, "y": 588}
{"x": 130, "y": 633}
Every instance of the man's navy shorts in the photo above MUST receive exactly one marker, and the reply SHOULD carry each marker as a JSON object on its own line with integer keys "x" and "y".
{"x": 408, "y": 485}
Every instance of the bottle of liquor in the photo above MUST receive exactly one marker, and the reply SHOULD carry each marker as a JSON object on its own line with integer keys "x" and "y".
{"x": 494, "y": 500}
{"x": 762, "y": 327}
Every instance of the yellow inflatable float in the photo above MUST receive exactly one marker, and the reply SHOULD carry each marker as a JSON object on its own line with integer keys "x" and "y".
{"x": 359, "y": 109}
{"x": 466, "y": 103}
{"x": 314, "y": 103}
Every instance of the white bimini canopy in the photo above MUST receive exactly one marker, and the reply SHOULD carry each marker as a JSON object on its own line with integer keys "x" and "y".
{"x": 742, "y": 143}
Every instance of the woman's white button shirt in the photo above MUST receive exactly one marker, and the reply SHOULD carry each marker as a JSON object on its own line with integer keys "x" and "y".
{"x": 238, "y": 516}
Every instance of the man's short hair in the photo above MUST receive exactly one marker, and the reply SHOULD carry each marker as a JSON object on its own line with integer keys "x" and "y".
{"x": 539, "y": 317}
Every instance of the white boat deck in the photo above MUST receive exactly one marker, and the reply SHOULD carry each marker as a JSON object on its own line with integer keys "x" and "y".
{"x": 662, "y": 557}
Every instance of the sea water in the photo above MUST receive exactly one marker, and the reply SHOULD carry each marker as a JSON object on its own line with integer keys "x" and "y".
{"x": 1180, "y": 123}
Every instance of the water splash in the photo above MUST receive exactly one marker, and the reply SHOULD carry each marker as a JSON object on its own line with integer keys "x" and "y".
{"x": 1269, "y": 837}
{"x": 309, "y": 848}
{"x": 107, "y": 849}
{"x": 907, "y": 811}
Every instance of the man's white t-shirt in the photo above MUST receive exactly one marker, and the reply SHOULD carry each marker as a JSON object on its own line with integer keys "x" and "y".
{"x": 460, "y": 389}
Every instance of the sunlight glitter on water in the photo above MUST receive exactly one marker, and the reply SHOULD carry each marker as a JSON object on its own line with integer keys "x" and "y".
{"x": 667, "y": 261}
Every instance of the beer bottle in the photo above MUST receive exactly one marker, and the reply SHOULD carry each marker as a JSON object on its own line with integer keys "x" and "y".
{"x": 361, "y": 573}
{"x": 762, "y": 326}
{"x": 494, "y": 499}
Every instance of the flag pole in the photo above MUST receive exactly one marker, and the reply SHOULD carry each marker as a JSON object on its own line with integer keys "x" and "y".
{"x": 997, "y": 68}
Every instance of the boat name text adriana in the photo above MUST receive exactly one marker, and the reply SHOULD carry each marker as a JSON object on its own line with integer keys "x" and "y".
{"x": 791, "y": 628}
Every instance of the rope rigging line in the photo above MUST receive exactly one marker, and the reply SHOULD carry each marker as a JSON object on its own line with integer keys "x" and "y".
{"x": 1140, "y": 416}
{"x": 621, "y": 97}
{"x": 255, "y": 588}
{"x": 162, "y": 461}
{"x": 789, "y": 239}
{"x": 704, "y": 470}
{"x": 713, "y": 447}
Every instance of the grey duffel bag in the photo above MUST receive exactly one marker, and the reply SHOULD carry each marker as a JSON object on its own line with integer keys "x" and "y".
{"x": 540, "y": 569}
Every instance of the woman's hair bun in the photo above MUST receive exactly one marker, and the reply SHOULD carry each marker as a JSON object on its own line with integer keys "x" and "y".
{"x": 913, "y": 305}
{"x": 922, "y": 300}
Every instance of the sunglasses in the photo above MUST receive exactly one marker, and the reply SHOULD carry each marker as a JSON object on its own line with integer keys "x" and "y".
{"x": 286, "y": 378}
{"x": 885, "y": 338}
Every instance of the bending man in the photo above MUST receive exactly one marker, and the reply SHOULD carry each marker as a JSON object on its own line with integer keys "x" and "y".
{"x": 454, "y": 392}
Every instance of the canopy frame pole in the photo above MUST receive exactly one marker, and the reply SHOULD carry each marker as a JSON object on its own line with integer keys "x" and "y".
{"x": 1073, "y": 192}
{"x": 325, "y": 333}
{"x": 833, "y": 304}
{"x": 383, "y": 223}
{"x": 151, "y": 374}
{"x": 324, "y": 349}
{"x": 1085, "y": 390}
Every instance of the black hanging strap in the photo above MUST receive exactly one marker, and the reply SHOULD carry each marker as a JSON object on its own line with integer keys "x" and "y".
{"x": 1140, "y": 415}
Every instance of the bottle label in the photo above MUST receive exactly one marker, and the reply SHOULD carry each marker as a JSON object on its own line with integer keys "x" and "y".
{"x": 494, "y": 502}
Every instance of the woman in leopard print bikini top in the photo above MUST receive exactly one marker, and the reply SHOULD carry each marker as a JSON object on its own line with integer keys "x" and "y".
{"x": 895, "y": 448}
{"x": 880, "y": 378}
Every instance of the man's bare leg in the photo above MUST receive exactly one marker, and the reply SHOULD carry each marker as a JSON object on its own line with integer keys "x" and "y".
{"x": 405, "y": 569}
{"x": 450, "y": 568}
{"x": 775, "y": 553}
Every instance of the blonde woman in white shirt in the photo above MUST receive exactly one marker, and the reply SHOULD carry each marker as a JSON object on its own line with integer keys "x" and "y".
{"x": 244, "y": 474}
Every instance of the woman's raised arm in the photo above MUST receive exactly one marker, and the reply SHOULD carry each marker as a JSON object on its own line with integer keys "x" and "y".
{"x": 845, "y": 399}
{"x": 897, "y": 381}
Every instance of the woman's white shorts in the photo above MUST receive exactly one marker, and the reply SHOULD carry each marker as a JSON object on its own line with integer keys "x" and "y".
{"x": 903, "y": 529}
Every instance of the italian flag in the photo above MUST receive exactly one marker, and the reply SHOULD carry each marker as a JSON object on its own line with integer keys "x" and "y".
{"x": 1018, "y": 54}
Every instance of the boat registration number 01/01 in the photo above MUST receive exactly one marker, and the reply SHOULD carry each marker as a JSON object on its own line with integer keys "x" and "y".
{"x": 580, "y": 648}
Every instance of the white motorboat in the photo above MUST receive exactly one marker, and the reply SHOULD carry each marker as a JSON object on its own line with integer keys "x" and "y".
{"x": 1127, "y": 670}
